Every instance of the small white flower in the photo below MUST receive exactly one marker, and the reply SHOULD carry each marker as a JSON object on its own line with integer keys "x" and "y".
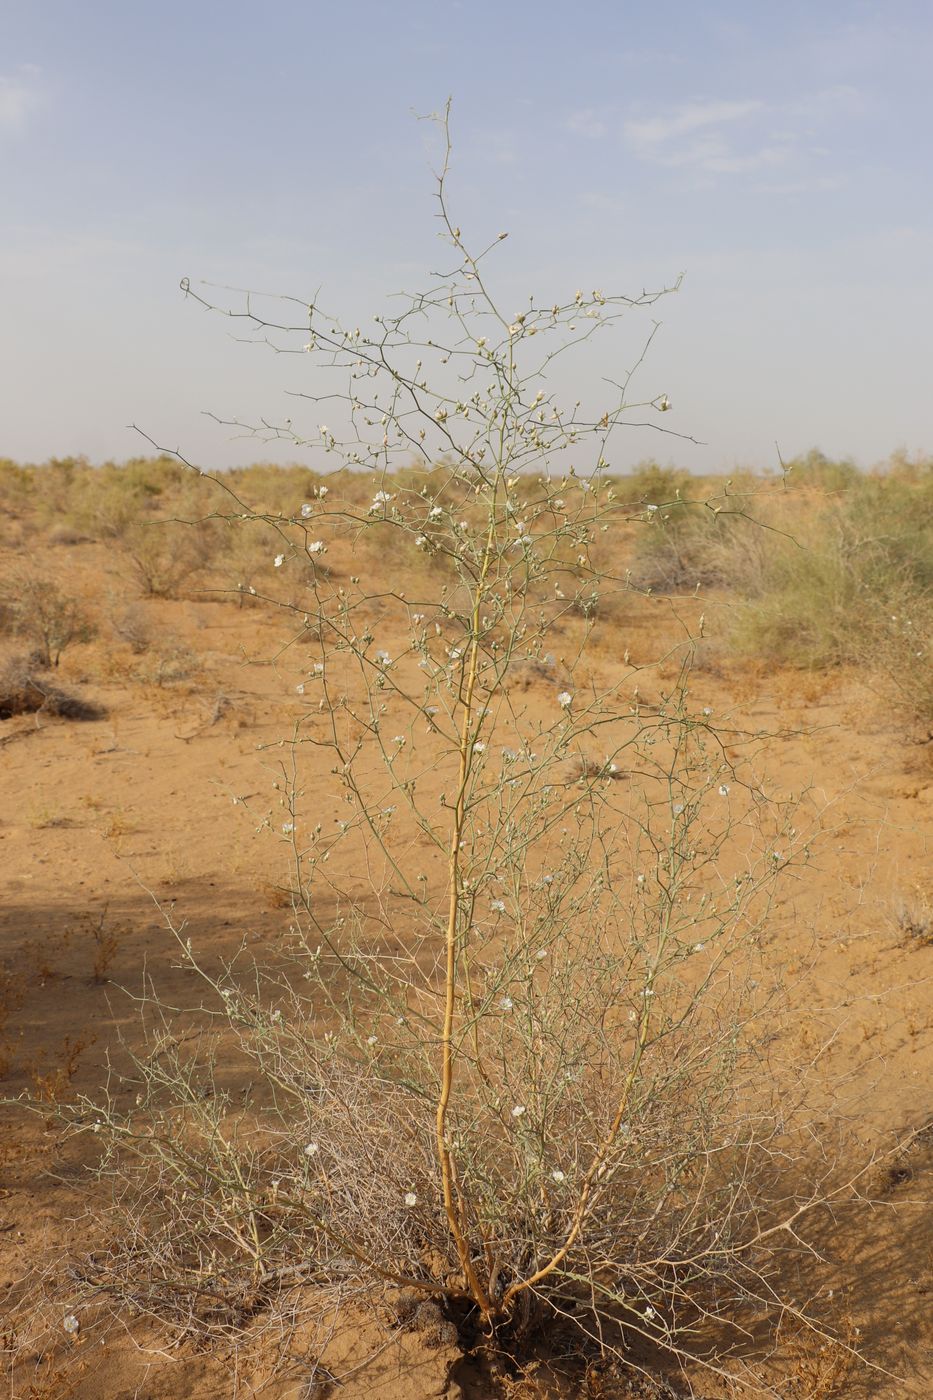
{"x": 678, "y": 808}
{"x": 639, "y": 879}
{"x": 417, "y": 617}
{"x": 71, "y": 1325}
{"x": 316, "y": 547}
{"x": 776, "y": 855}
{"x": 698, "y": 947}
{"x": 382, "y": 658}
{"x": 498, "y": 906}
{"x": 311, "y": 1149}
{"x": 435, "y": 512}
{"x": 506, "y": 1003}
{"x": 479, "y": 746}
{"x": 541, "y": 954}
{"x": 279, "y": 560}
{"x": 422, "y": 542}
{"x": 565, "y": 699}
{"x": 519, "y": 1110}
{"x": 480, "y": 342}
{"x": 650, "y": 1312}
{"x": 723, "y": 789}
{"x": 306, "y": 510}
{"x": 515, "y": 328}
{"x": 399, "y": 739}
{"x": 664, "y": 404}
{"x": 411, "y": 1200}
{"x": 318, "y": 668}
{"x": 650, "y": 509}
{"x": 372, "y": 1040}
{"x": 322, "y": 491}
{"x": 288, "y": 828}
{"x": 558, "y": 1176}
{"x": 299, "y": 690}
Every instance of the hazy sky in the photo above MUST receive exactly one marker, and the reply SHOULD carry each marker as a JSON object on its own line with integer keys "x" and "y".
{"x": 779, "y": 155}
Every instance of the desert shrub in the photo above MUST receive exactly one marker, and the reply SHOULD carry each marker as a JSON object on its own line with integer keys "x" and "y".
{"x": 42, "y": 612}
{"x": 132, "y": 625}
{"x": 715, "y": 544}
{"x": 853, "y": 582}
{"x": 244, "y": 556}
{"x": 904, "y": 466}
{"x": 102, "y": 502}
{"x": 896, "y": 648}
{"x": 267, "y": 487}
{"x": 651, "y": 484}
{"x": 162, "y": 556}
{"x": 529, "y": 1089}
{"x": 814, "y": 469}
{"x": 15, "y": 484}
{"x": 168, "y": 663}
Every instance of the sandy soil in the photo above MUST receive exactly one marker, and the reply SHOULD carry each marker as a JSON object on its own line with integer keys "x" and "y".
{"x": 96, "y": 818}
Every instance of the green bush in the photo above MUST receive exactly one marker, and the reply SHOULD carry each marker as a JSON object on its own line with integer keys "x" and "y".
{"x": 815, "y": 469}
{"x": 651, "y": 484}
{"x": 854, "y": 584}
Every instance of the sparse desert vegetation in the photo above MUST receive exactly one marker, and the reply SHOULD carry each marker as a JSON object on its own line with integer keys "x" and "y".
{"x": 479, "y": 935}
{"x": 269, "y": 1140}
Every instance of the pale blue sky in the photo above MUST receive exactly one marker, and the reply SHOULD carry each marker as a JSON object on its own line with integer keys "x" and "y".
{"x": 778, "y": 155}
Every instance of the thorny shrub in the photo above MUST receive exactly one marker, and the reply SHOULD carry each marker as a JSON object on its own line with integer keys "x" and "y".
{"x": 43, "y": 613}
{"x": 513, "y": 1061}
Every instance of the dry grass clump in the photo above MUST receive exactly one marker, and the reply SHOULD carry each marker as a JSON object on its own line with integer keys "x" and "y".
{"x": 133, "y": 627}
{"x": 913, "y": 919}
{"x": 23, "y": 691}
{"x": 854, "y": 584}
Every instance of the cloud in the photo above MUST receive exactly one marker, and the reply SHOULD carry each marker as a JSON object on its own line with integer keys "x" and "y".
{"x": 586, "y": 122}
{"x": 722, "y": 139}
{"x": 20, "y": 95}
{"x": 816, "y": 184}
{"x": 647, "y": 138}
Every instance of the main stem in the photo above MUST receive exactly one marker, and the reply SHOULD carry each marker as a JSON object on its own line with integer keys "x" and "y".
{"x": 455, "y": 1216}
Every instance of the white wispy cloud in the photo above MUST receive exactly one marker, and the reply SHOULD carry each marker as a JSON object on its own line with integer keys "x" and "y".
{"x": 646, "y": 138}
{"x": 20, "y": 95}
{"x": 587, "y": 122}
{"x": 717, "y": 138}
